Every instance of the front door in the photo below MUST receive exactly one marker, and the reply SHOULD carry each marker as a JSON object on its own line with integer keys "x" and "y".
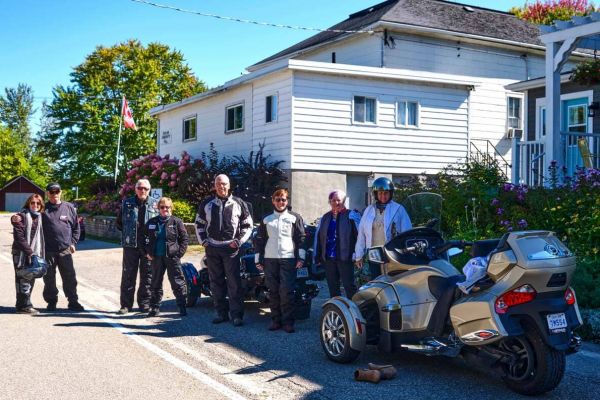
{"x": 574, "y": 119}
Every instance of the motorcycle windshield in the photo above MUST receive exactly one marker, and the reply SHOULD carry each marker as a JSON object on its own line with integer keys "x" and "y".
{"x": 423, "y": 209}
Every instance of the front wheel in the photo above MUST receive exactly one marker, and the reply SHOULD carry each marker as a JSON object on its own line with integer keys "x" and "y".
{"x": 536, "y": 368}
{"x": 335, "y": 335}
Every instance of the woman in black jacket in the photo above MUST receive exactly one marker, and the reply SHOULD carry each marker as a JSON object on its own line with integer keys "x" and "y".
{"x": 166, "y": 243}
{"x": 28, "y": 241}
{"x": 335, "y": 240}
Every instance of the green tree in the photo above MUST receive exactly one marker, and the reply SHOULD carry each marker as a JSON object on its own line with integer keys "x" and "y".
{"x": 16, "y": 108}
{"x": 547, "y": 11}
{"x": 18, "y": 159}
{"x": 81, "y": 135}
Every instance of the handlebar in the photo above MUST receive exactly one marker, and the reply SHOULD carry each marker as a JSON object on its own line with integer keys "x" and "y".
{"x": 450, "y": 244}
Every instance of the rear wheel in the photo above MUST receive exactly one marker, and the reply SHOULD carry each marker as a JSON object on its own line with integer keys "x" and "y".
{"x": 536, "y": 368}
{"x": 335, "y": 335}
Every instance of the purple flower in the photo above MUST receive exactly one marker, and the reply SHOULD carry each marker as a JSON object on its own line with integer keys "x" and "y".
{"x": 500, "y": 211}
{"x": 522, "y": 224}
{"x": 495, "y": 202}
{"x": 164, "y": 175}
{"x": 182, "y": 169}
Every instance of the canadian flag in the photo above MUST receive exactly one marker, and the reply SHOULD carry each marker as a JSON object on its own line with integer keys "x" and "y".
{"x": 128, "y": 116}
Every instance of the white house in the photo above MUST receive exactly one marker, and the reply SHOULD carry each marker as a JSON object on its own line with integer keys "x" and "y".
{"x": 398, "y": 89}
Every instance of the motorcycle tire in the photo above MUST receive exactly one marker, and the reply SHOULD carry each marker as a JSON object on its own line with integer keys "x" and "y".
{"x": 334, "y": 335}
{"x": 192, "y": 281}
{"x": 540, "y": 367}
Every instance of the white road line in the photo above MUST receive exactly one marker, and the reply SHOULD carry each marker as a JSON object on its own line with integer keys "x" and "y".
{"x": 200, "y": 376}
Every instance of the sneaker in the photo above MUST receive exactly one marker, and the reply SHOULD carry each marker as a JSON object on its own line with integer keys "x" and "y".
{"x": 182, "y": 311}
{"x": 220, "y": 318}
{"x": 275, "y": 326}
{"x": 28, "y": 310}
{"x": 289, "y": 328}
{"x": 75, "y": 306}
{"x": 123, "y": 311}
{"x": 154, "y": 312}
{"x": 145, "y": 309}
{"x": 238, "y": 322}
{"x": 51, "y": 307}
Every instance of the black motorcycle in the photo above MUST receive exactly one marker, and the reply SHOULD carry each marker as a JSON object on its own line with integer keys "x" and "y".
{"x": 253, "y": 279}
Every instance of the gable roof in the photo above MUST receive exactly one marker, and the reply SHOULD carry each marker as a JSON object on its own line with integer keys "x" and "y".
{"x": 435, "y": 14}
{"x": 13, "y": 180}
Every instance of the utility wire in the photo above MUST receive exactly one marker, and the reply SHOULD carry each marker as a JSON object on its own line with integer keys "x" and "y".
{"x": 247, "y": 21}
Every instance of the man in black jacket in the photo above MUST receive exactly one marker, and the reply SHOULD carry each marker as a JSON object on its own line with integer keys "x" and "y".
{"x": 223, "y": 224}
{"x": 132, "y": 217}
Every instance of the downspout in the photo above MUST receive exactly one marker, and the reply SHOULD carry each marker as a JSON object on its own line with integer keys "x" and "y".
{"x": 469, "y": 89}
{"x": 382, "y": 60}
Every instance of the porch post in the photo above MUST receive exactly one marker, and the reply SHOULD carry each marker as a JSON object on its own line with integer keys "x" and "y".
{"x": 553, "y": 149}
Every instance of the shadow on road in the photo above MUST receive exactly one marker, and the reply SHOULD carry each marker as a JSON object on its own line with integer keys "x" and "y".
{"x": 92, "y": 244}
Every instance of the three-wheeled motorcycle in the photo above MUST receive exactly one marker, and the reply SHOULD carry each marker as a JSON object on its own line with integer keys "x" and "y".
{"x": 253, "y": 279}
{"x": 517, "y": 320}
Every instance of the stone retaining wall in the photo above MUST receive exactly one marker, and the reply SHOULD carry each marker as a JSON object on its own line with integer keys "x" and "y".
{"x": 105, "y": 227}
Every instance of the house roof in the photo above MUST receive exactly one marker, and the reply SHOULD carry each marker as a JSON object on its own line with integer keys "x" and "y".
{"x": 11, "y": 181}
{"x": 536, "y": 82}
{"x": 433, "y": 14}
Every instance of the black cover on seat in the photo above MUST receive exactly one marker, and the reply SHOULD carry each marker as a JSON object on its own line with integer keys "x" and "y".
{"x": 481, "y": 248}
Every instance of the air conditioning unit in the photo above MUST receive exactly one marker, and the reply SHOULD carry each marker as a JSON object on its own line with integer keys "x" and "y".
{"x": 514, "y": 133}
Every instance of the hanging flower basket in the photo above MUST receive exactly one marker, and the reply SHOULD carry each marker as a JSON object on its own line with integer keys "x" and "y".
{"x": 587, "y": 73}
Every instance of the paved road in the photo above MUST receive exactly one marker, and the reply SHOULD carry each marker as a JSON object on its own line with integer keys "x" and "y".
{"x": 98, "y": 354}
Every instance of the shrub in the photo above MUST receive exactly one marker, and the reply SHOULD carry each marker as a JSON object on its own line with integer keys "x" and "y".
{"x": 184, "y": 210}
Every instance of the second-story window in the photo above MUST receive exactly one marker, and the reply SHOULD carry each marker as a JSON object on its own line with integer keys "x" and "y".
{"x": 407, "y": 113}
{"x": 235, "y": 118}
{"x": 514, "y": 112}
{"x": 189, "y": 129}
{"x": 271, "y": 108}
{"x": 365, "y": 109}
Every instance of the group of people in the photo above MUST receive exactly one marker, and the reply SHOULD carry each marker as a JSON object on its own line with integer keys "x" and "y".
{"x": 154, "y": 241}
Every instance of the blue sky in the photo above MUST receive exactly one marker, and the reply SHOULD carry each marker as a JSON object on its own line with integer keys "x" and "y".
{"x": 41, "y": 40}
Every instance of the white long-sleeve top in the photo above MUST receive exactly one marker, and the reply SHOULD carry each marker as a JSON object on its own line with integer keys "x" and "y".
{"x": 395, "y": 221}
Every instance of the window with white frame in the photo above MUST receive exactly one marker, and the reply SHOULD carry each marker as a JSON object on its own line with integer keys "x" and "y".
{"x": 407, "y": 113}
{"x": 365, "y": 110}
{"x": 271, "y": 108}
{"x": 190, "y": 128}
{"x": 235, "y": 118}
{"x": 514, "y": 112}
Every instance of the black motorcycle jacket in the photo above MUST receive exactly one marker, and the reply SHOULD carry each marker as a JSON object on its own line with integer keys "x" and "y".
{"x": 176, "y": 237}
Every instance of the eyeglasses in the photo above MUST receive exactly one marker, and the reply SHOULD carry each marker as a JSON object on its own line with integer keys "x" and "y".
{"x": 54, "y": 191}
{"x": 165, "y": 207}
{"x": 280, "y": 200}
{"x": 145, "y": 189}
{"x": 35, "y": 203}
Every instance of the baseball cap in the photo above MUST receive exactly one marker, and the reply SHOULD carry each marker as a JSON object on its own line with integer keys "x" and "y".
{"x": 52, "y": 186}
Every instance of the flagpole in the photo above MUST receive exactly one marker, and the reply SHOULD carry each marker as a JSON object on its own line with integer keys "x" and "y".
{"x": 119, "y": 139}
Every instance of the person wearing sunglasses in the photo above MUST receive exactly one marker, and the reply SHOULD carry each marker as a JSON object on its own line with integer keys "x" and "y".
{"x": 135, "y": 212}
{"x": 28, "y": 241}
{"x": 61, "y": 234}
{"x": 279, "y": 244}
{"x": 223, "y": 224}
{"x": 166, "y": 241}
{"x": 335, "y": 240}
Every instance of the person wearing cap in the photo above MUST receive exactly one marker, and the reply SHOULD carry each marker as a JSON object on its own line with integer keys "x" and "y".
{"x": 381, "y": 221}
{"x": 61, "y": 234}
{"x": 135, "y": 212}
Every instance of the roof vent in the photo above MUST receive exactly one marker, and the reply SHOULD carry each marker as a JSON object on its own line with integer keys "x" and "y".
{"x": 468, "y": 9}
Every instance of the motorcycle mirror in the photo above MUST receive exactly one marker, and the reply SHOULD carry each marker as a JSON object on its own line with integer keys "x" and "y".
{"x": 454, "y": 251}
{"x": 376, "y": 256}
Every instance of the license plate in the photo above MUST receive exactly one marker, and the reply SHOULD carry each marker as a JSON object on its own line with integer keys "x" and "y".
{"x": 556, "y": 321}
{"x": 302, "y": 272}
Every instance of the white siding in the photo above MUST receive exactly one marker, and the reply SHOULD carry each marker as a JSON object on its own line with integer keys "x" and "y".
{"x": 493, "y": 67}
{"x": 211, "y": 115}
{"x": 324, "y": 137}
{"x": 364, "y": 50}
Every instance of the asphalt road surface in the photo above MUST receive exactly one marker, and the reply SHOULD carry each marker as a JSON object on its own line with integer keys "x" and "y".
{"x": 97, "y": 354}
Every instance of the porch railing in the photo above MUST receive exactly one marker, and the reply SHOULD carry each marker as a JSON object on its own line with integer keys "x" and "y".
{"x": 532, "y": 163}
{"x": 485, "y": 151}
